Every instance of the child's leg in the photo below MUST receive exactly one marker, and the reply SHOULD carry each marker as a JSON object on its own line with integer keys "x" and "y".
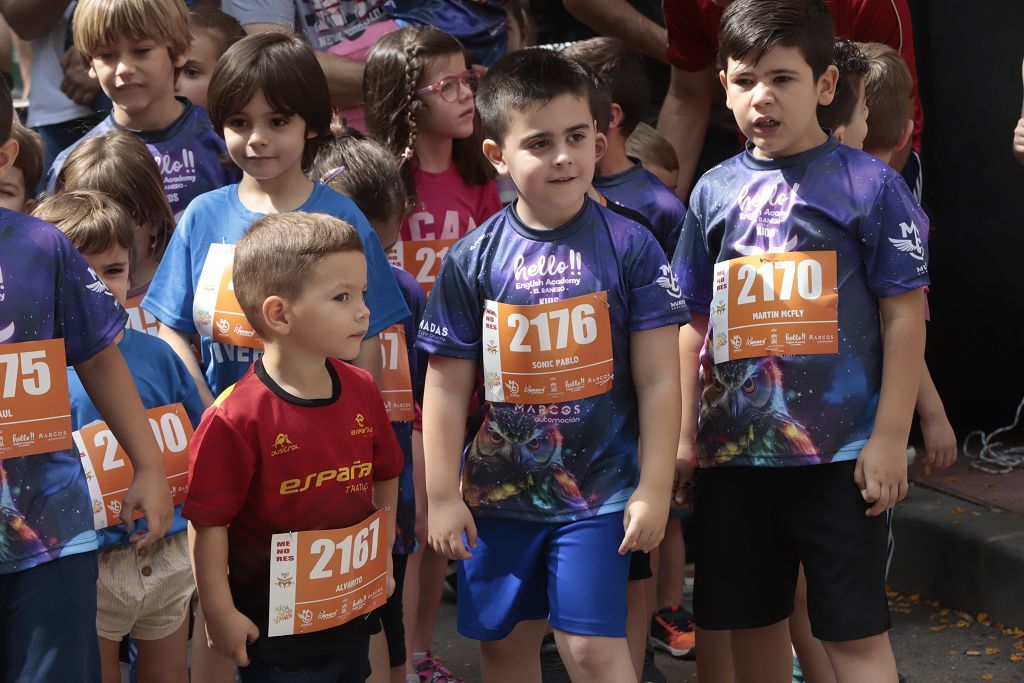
{"x": 714, "y": 656}
{"x": 164, "y": 660}
{"x": 51, "y": 608}
{"x": 866, "y": 659}
{"x": 762, "y": 655}
{"x": 411, "y": 585}
{"x": 207, "y": 665}
{"x": 430, "y": 568}
{"x": 110, "y": 660}
{"x": 595, "y": 659}
{"x": 380, "y": 672}
{"x": 506, "y": 661}
{"x": 671, "y": 564}
{"x": 814, "y": 660}
{"x": 637, "y": 620}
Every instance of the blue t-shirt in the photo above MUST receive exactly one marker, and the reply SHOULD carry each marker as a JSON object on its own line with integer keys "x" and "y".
{"x": 47, "y": 291}
{"x": 553, "y": 461}
{"x": 219, "y": 217}
{"x": 640, "y": 190}
{"x": 188, "y": 153}
{"x": 161, "y": 379}
{"x": 405, "y": 517}
{"x": 799, "y": 409}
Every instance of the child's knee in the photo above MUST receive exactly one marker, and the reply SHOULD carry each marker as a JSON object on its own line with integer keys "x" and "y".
{"x": 594, "y": 654}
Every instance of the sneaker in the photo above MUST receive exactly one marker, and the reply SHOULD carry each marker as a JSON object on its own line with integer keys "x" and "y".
{"x": 430, "y": 670}
{"x": 674, "y": 637}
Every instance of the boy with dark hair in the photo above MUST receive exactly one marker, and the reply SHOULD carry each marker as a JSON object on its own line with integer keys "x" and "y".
{"x": 55, "y": 312}
{"x": 136, "y": 49}
{"x": 619, "y": 177}
{"x": 301, "y": 442}
{"x": 571, "y": 310}
{"x": 790, "y": 254}
{"x": 847, "y": 115}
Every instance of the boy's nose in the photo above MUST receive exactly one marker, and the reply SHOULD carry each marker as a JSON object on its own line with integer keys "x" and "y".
{"x": 125, "y": 66}
{"x": 762, "y": 94}
{"x": 562, "y": 156}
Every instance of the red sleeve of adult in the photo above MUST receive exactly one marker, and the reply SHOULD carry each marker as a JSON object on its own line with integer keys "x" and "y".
{"x": 692, "y": 33}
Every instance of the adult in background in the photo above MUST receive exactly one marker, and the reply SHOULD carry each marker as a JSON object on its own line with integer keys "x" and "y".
{"x": 693, "y": 88}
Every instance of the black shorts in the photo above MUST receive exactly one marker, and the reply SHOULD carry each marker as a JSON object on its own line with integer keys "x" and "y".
{"x": 755, "y": 525}
{"x": 391, "y": 615}
{"x": 640, "y": 566}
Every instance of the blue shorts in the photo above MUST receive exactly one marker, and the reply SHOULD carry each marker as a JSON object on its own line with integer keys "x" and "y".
{"x": 569, "y": 573}
{"x": 49, "y": 624}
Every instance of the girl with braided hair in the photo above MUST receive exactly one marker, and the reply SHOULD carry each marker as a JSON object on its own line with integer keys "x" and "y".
{"x": 418, "y": 88}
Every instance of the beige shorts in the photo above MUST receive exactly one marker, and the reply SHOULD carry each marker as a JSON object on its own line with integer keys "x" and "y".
{"x": 144, "y": 592}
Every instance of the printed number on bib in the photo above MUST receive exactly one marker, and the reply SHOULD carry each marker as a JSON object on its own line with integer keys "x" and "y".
{"x": 547, "y": 353}
{"x": 35, "y": 408}
{"x": 396, "y": 380}
{"x": 420, "y": 258}
{"x": 775, "y": 304}
{"x": 215, "y": 309}
{"x": 322, "y": 579}
{"x": 109, "y": 472}
{"x": 139, "y": 318}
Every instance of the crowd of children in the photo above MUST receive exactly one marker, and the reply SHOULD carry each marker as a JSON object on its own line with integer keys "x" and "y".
{"x": 292, "y": 344}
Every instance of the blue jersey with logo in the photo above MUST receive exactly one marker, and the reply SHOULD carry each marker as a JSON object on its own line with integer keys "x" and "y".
{"x": 161, "y": 379}
{"x": 188, "y": 153}
{"x": 640, "y": 190}
{"x": 219, "y": 217}
{"x": 47, "y": 291}
{"x": 801, "y": 409}
{"x": 553, "y": 462}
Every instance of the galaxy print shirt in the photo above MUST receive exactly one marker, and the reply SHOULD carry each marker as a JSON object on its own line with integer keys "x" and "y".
{"x": 47, "y": 291}
{"x": 188, "y": 153}
{"x": 540, "y": 455}
{"x": 640, "y": 190}
{"x": 796, "y": 408}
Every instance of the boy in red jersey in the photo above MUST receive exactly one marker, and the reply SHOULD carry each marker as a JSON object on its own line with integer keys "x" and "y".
{"x": 269, "y": 454}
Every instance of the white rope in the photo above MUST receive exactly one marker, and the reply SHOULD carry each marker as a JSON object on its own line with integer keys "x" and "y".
{"x": 992, "y": 456}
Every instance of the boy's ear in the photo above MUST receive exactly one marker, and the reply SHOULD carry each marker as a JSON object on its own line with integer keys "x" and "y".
{"x": 275, "y": 315}
{"x": 8, "y": 153}
{"x": 725, "y": 87}
{"x": 839, "y": 131}
{"x": 600, "y": 144}
{"x": 827, "y": 85}
{"x": 495, "y": 155}
{"x": 908, "y": 130}
{"x": 617, "y": 116}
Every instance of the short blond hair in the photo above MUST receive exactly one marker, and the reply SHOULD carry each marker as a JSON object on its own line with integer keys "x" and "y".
{"x": 101, "y": 22}
{"x": 887, "y": 88}
{"x": 93, "y": 222}
{"x": 279, "y": 253}
{"x": 649, "y": 146}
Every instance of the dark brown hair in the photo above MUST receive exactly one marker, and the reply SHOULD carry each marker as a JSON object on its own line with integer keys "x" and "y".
{"x": 623, "y": 72}
{"x": 279, "y": 253}
{"x": 211, "y": 20}
{"x": 120, "y": 165}
{"x": 394, "y": 70}
{"x": 30, "y": 157}
{"x": 887, "y": 88}
{"x": 94, "y": 222}
{"x": 852, "y": 67}
{"x": 750, "y": 28}
{"x": 285, "y": 69}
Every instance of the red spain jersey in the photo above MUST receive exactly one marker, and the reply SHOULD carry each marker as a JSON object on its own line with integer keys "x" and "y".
{"x": 264, "y": 462}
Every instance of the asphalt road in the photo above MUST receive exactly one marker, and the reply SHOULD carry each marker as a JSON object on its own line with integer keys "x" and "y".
{"x": 932, "y": 644}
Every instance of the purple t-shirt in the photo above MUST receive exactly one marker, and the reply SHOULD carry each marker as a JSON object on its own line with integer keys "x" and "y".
{"x": 640, "y": 190}
{"x": 47, "y": 291}
{"x": 536, "y": 459}
{"x": 801, "y": 408}
{"x": 188, "y": 154}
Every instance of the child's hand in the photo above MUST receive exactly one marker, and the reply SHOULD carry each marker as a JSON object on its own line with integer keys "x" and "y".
{"x": 228, "y": 633}
{"x": 644, "y": 521}
{"x": 685, "y": 471}
{"x": 1018, "y": 141}
{"x": 881, "y": 473}
{"x": 446, "y": 521}
{"x": 148, "y": 492}
{"x": 939, "y": 441}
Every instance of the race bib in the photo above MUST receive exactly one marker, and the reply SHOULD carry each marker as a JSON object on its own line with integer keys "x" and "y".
{"x": 420, "y": 258}
{"x": 774, "y": 305}
{"x": 139, "y": 319}
{"x": 322, "y": 579}
{"x": 109, "y": 472}
{"x": 547, "y": 353}
{"x": 35, "y": 407}
{"x": 215, "y": 309}
{"x": 396, "y": 380}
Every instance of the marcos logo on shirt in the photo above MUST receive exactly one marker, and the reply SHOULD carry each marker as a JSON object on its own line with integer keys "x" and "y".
{"x": 351, "y": 476}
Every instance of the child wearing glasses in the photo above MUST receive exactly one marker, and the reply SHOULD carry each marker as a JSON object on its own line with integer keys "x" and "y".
{"x": 418, "y": 90}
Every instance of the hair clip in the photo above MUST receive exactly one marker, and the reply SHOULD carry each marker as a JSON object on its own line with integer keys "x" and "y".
{"x": 408, "y": 153}
{"x": 326, "y": 178}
